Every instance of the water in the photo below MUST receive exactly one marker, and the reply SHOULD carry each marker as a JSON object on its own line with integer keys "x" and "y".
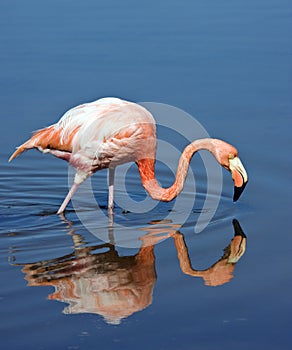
{"x": 228, "y": 64}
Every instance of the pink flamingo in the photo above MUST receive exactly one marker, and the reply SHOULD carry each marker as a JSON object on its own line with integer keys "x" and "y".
{"x": 109, "y": 132}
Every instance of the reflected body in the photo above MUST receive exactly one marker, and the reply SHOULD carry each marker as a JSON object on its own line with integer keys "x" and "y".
{"x": 97, "y": 280}
{"x": 109, "y": 132}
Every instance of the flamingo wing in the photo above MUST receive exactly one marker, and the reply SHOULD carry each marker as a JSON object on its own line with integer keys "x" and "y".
{"x": 60, "y": 136}
{"x": 92, "y": 135}
{"x": 121, "y": 134}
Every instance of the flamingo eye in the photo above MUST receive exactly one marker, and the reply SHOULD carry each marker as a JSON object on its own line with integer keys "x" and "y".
{"x": 231, "y": 156}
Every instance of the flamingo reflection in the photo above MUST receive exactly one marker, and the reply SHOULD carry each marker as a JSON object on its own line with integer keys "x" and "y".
{"x": 95, "y": 279}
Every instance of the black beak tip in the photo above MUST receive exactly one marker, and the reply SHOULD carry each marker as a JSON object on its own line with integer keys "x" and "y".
{"x": 238, "y": 191}
{"x": 237, "y": 229}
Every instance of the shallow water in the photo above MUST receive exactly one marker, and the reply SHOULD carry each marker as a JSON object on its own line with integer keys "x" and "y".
{"x": 227, "y": 64}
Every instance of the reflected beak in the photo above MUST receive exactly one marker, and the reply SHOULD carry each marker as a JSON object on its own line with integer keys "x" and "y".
{"x": 239, "y": 177}
{"x": 238, "y": 244}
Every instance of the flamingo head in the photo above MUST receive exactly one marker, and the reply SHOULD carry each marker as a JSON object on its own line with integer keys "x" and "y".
{"x": 227, "y": 156}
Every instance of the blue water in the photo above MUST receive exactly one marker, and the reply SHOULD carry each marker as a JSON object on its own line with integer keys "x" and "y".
{"x": 226, "y": 63}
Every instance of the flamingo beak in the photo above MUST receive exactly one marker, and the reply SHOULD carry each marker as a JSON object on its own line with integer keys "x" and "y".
{"x": 239, "y": 177}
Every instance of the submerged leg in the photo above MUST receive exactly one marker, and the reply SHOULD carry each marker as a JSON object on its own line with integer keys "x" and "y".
{"x": 111, "y": 178}
{"x": 79, "y": 178}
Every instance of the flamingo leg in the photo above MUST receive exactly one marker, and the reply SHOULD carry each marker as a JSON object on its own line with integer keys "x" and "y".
{"x": 80, "y": 176}
{"x": 111, "y": 179}
{"x": 68, "y": 198}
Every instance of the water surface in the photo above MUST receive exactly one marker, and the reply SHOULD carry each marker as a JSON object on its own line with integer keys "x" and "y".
{"x": 227, "y": 64}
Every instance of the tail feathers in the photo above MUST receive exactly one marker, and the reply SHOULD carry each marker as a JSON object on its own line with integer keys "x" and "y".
{"x": 41, "y": 138}
{"x": 24, "y": 147}
{"x": 19, "y": 150}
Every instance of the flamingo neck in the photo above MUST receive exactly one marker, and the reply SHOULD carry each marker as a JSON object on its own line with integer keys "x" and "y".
{"x": 147, "y": 171}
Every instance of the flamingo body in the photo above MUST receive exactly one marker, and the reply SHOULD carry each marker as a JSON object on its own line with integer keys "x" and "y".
{"x": 109, "y": 132}
{"x": 98, "y": 135}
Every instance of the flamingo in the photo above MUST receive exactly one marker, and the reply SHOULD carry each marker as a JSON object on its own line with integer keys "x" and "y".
{"x": 109, "y": 132}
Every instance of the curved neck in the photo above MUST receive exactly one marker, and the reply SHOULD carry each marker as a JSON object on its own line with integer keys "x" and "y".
{"x": 147, "y": 171}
